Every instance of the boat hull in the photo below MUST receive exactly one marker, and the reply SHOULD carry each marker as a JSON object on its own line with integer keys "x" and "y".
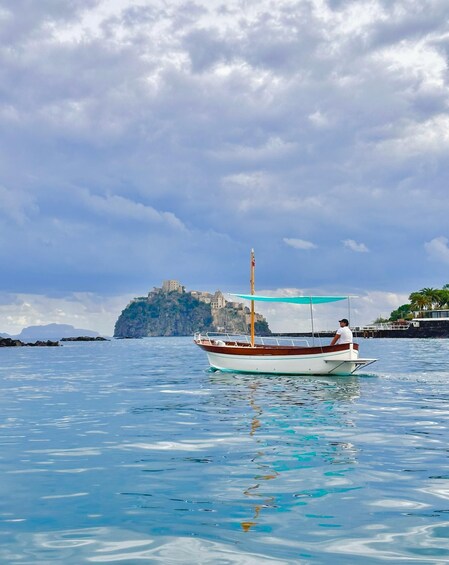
{"x": 337, "y": 360}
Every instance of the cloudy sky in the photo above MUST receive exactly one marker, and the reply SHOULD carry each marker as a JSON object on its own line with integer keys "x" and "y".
{"x": 150, "y": 139}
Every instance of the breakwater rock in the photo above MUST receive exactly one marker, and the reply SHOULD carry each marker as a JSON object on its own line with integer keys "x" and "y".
{"x": 84, "y": 338}
{"x": 9, "y": 342}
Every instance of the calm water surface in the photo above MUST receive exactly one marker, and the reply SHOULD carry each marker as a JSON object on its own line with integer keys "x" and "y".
{"x": 131, "y": 451}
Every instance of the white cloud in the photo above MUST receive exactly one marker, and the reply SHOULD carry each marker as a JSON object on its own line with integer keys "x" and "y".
{"x": 438, "y": 249}
{"x": 354, "y": 246}
{"x": 319, "y": 120}
{"x": 82, "y": 310}
{"x": 418, "y": 61}
{"x": 120, "y": 207}
{"x": 98, "y": 313}
{"x": 299, "y": 243}
{"x": 412, "y": 139}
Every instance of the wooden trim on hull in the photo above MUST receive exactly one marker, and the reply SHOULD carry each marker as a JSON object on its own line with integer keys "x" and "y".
{"x": 271, "y": 350}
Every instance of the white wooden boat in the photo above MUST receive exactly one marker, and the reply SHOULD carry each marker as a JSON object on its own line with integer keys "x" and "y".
{"x": 251, "y": 354}
{"x": 236, "y": 354}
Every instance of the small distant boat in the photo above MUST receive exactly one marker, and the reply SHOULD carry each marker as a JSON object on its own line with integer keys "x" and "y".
{"x": 280, "y": 356}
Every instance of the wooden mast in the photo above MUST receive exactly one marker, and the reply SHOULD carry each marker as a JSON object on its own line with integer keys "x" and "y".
{"x": 253, "y": 265}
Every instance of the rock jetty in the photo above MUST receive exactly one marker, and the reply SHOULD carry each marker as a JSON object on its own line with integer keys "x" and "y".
{"x": 84, "y": 338}
{"x": 9, "y": 342}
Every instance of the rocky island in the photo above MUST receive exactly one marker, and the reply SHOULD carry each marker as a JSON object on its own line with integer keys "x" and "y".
{"x": 173, "y": 311}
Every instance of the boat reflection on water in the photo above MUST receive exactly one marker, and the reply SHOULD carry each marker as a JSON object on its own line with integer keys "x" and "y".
{"x": 309, "y": 413}
{"x": 267, "y": 473}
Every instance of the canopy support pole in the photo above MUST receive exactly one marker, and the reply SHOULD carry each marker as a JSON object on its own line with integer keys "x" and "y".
{"x": 311, "y": 317}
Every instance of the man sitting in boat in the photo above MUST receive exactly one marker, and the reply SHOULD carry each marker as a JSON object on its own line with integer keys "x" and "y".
{"x": 343, "y": 334}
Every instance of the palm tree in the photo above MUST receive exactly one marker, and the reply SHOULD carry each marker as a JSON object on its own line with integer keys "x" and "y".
{"x": 443, "y": 297}
{"x": 417, "y": 301}
{"x": 431, "y": 295}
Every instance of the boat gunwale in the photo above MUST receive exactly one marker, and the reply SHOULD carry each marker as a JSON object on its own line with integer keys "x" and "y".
{"x": 245, "y": 349}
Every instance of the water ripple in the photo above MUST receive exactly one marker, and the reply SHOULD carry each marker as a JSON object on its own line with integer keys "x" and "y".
{"x": 132, "y": 450}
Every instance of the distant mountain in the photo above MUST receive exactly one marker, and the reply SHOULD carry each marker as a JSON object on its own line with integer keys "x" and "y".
{"x": 53, "y": 332}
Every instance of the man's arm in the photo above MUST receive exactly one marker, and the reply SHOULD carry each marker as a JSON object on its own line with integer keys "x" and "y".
{"x": 335, "y": 339}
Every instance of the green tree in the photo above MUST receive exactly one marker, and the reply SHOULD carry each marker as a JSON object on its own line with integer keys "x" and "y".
{"x": 417, "y": 301}
{"x": 425, "y": 299}
{"x": 401, "y": 313}
{"x": 431, "y": 296}
{"x": 381, "y": 320}
{"x": 443, "y": 298}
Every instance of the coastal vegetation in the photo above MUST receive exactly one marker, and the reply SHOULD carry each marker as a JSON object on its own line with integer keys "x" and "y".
{"x": 420, "y": 301}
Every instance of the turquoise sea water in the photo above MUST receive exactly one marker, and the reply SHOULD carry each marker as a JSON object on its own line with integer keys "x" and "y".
{"x": 131, "y": 451}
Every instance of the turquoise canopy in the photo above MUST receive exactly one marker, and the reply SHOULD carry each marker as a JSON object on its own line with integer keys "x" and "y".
{"x": 293, "y": 299}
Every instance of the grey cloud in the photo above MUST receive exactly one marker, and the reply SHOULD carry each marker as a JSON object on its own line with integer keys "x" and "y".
{"x": 16, "y": 206}
{"x": 25, "y": 20}
{"x": 240, "y": 124}
{"x": 409, "y": 19}
{"x": 206, "y": 48}
{"x": 438, "y": 249}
